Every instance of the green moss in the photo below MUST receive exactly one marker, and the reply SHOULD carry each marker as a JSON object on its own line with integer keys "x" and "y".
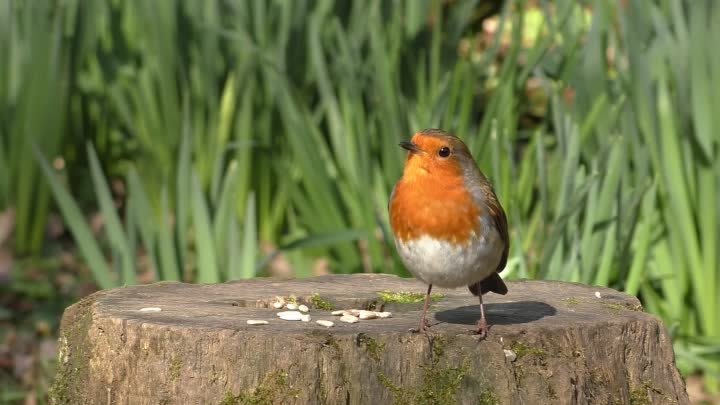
{"x": 639, "y": 396}
{"x": 521, "y": 350}
{"x": 321, "y": 303}
{"x": 439, "y": 385}
{"x": 616, "y": 307}
{"x": 291, "y": 299}
{"x": 274, "y": 389}
{"x": 437, "y": 346}
{"x": 598, "y": 378}
{"x": 404, "y": 297}
{"x": 401, "y": 396}
{"x": 229, "y": 399}
{"x": 74, "y": 355}
{"x": 175, "y": 368}
{"x": 322, "y": 400}
{"x": 373, "y": 348}
{"x": 488, "y": 397}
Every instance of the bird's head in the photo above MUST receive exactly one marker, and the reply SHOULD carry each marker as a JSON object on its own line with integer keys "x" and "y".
{"x": 433, "y": 152}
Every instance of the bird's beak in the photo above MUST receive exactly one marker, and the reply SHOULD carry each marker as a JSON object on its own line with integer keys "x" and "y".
{"x": 411, "y": 147}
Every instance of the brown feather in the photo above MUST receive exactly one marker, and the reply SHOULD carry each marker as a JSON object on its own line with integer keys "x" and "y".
{"x": 494, "y": 282}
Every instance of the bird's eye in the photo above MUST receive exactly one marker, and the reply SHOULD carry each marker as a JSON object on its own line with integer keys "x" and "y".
{"x": 444, "y": 152}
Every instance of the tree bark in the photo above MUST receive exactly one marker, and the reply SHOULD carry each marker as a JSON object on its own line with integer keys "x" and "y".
{"x": 549, "y": 343}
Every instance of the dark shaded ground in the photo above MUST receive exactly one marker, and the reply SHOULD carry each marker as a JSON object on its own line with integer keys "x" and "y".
{"x": 33, "y": 296}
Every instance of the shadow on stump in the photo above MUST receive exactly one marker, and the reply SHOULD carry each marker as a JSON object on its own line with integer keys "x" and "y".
{"x": 510, "y": 313}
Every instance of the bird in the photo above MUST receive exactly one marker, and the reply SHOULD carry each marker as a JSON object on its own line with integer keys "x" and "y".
{"x": 447, "y": 222}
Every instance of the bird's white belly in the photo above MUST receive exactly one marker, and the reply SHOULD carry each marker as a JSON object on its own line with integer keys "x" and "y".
{"x": 445, "y": 264}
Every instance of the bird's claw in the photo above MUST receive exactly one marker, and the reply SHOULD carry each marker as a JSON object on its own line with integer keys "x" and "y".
{"x": 424, "y": 327}
{"x": 482, "y": 329}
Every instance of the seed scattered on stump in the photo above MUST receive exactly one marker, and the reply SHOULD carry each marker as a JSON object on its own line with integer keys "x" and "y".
{"x": 303, "y": 308}
{"x": 150, "y": 309}
{"x": 290, "y": 315}
{"x": 325, "y": 323}
{"x": 349, "y": 319}
{"x": 256, "y": 322}
{"x": 361, "y": 314}
{"x": 279, "y": 302}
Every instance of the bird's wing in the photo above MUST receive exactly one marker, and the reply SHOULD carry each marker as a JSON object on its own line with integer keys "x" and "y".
{"x": 483, "y": 192}
{"x": 500, "y": 220}
{"x": 494, "y": 282}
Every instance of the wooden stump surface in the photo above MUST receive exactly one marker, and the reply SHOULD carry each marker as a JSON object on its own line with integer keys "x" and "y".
{"x": 550, "y": 343}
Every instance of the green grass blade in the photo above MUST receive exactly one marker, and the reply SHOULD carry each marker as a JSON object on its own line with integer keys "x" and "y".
{"x": 144, "y": 219}
{"x": 113, "y": 227}
{"x": 88, "y": 246}
{"x": 207, "y": 267}
{"x": 249, "y": 240}
{"x": 171, "y": 269}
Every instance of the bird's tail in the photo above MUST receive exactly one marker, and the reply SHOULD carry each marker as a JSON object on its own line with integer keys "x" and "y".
{"x": 493, "y": 283}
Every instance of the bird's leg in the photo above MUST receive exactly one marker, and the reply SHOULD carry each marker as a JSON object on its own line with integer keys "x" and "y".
{"x": 424, "y": 324}
{"x": 482, "y": 326}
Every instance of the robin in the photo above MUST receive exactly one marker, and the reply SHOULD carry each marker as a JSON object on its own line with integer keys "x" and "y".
{"x": 449, "y": 227}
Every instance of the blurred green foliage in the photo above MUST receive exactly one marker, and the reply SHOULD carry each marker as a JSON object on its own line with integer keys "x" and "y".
{"x": 246, "y": 130}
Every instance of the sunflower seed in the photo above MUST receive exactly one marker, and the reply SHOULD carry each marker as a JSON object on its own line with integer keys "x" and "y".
{"x": 349, "y": 319}
{"x": 256, "y": 322}
{"x": 290, "y": 315}
{"x": 325, "y": 323}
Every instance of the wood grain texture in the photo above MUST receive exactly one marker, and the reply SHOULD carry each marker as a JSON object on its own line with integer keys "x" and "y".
{"x": 570, "y": 347}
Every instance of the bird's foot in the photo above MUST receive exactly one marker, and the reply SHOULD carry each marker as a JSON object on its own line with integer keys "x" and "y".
{"x": 482, "y": 329}
{"x": 422, "y": 328}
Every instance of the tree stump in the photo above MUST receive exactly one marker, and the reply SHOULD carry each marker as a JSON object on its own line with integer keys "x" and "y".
{"x": 550, "y": 343}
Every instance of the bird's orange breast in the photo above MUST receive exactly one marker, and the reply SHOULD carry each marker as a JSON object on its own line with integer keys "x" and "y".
{"x": 433, "y": 204}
